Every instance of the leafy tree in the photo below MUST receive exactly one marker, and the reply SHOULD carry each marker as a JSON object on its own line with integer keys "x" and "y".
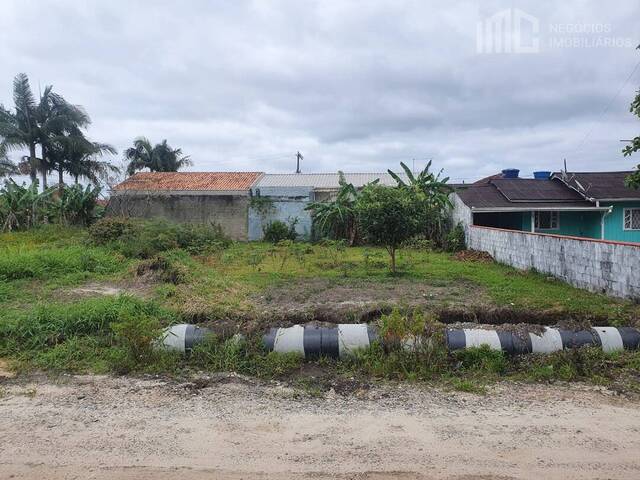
{"x": 336, "y": 218}
{"x": 387, "y": 217}
{"x": 159, "y": 158}
{"x": 430, "y": 193}
{"x": 633, "y": 180}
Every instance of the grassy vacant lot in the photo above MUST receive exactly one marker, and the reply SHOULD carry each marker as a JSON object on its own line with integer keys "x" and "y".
{"x": 69, "y": 302}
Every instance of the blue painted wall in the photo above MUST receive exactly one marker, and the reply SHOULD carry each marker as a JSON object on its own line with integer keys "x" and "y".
{"x": 288, "y": 203}
{"x": 576, "y": 224}
{"x": 613, "y": 223}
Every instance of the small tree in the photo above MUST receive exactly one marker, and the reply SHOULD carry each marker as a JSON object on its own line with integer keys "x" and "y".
{"x": 387, "y": 217}
{"x": 633, "y": 180}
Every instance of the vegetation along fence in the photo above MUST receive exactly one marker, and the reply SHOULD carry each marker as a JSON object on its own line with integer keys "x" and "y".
{"x": 597, "y": 265}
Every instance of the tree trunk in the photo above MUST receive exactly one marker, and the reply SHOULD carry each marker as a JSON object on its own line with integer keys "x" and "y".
{"x": 32, "y": 162}
{"x": 60, "y": 180}
{"x": 75, "y": 179}
{"x": 44, "y": 169}
{"x": 392, "y": 252}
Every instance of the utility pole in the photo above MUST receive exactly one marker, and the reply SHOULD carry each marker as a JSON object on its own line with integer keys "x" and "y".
{"x": 298, "y": 158}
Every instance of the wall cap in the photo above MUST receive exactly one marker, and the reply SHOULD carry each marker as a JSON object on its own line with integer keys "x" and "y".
{"x": 564, "y": 237}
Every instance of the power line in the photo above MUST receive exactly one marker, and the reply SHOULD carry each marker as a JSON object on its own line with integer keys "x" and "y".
{"x": 607, "y": 107}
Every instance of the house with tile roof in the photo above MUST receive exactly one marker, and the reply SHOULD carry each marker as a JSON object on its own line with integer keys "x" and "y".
{"x": 221, "y": 198}
{"x": 594, "y": 205}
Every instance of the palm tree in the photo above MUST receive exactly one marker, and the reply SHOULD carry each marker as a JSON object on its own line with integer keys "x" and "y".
{"x": 57, "y": 119}
{"x": 7, "y": 167}
{"x": 20, "y": 129}
{"x": 79, "y": 157}
{"x": 158, "y": 158}
{"x": 37, "y": 123}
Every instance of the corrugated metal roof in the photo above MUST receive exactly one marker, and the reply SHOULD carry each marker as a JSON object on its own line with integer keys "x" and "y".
{"x": 189, "y": 181}
{"x": 327, "y": 181}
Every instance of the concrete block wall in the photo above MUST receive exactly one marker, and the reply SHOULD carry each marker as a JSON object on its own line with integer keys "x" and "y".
{"x": 229, "y": 211}
{"x": 596, "y": 265}
{"x": 288, "y": 203}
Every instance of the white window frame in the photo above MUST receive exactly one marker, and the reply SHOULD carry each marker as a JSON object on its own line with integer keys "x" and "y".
{"x": 624, "y": 219}
{"x": 552, "y": 214}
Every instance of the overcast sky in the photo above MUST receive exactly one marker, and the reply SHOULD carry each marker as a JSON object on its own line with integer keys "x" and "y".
{"x": 356, "y": 86}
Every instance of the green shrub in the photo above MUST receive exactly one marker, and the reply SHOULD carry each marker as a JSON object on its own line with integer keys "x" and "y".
{"x": 202, "y": 239}
{"x": 145, "y": 239}
{"x": 137, "y": 333}
{"x": 164, "y": 269}
{"x": 277, "y": 231}
{"x": 455, "y": 239}
{"x": 109, "y": 229}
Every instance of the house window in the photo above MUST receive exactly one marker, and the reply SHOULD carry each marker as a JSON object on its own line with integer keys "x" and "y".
{"x": 632, "y": 218}
{"x": 547, "y": 220}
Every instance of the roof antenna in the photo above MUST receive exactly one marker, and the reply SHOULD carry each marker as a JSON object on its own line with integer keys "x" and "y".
{"x": 298, "y": 158}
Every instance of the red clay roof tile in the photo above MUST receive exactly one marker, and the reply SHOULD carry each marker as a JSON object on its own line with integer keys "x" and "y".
{"x": 188, "y": 181}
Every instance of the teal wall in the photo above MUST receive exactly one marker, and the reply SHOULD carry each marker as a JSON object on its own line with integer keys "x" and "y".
{"x": 613, "y": 226}
{"x": 576, "y": 224}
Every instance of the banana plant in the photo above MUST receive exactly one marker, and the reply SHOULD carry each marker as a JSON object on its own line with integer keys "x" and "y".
{"x": 337, "y": 218}
{"x": 23, "y": 207}
{"x": 431, "y": 194}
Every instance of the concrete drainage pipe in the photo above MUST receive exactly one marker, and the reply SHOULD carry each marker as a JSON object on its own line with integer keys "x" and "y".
{"x": 610, "y": 339}
{"x": 183, "y": 337}
{"x": 312, "y": 342}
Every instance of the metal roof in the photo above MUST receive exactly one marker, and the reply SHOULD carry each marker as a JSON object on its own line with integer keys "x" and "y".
{"x": 189, "y": 181}
{"x": 327, "y": 181}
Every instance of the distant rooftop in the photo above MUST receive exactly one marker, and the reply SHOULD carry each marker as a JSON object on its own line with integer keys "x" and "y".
{"x": 328, "y": 181}
{"x": 189, "y": 181}
{"x": 601, "y": 185}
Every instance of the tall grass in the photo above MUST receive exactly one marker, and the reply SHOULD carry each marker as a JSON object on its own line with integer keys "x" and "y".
{"x": 43, "y": 262}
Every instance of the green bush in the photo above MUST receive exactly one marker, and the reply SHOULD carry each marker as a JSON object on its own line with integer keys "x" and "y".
{"x": 164, "y": 269}
{"x": 109, "y": 229}
{"x": 145, "y": 239}
{"x": 136, "y": 333}
{"x": 277, "y": 231}
{"x": 456, "y": 239}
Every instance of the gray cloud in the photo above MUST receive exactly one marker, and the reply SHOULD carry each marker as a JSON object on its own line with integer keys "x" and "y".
{"x": 353, "y": 85}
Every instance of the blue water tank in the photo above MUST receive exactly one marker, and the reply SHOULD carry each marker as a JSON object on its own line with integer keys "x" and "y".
{"x": 541, "y": 175}
{"x": 510, "y": 173}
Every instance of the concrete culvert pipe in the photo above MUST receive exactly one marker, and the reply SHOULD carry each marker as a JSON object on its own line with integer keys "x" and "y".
{"x": 313, "y": 342}
{"x": 610, "y": 339}
{"x": 183, "y": 337}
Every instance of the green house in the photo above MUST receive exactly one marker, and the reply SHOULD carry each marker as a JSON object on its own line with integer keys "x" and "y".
{"x": 590, "y": 205}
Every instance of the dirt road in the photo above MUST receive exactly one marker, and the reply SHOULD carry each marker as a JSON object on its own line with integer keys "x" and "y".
{"x": 234, "y": 428}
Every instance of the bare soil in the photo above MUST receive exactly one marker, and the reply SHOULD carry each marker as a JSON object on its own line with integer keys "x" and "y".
{"x": 338, "y": 301}
{"x": 230, "y": 427}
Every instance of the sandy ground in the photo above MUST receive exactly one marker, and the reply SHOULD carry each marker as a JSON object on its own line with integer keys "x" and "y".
{"x": 228, "y": 427}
